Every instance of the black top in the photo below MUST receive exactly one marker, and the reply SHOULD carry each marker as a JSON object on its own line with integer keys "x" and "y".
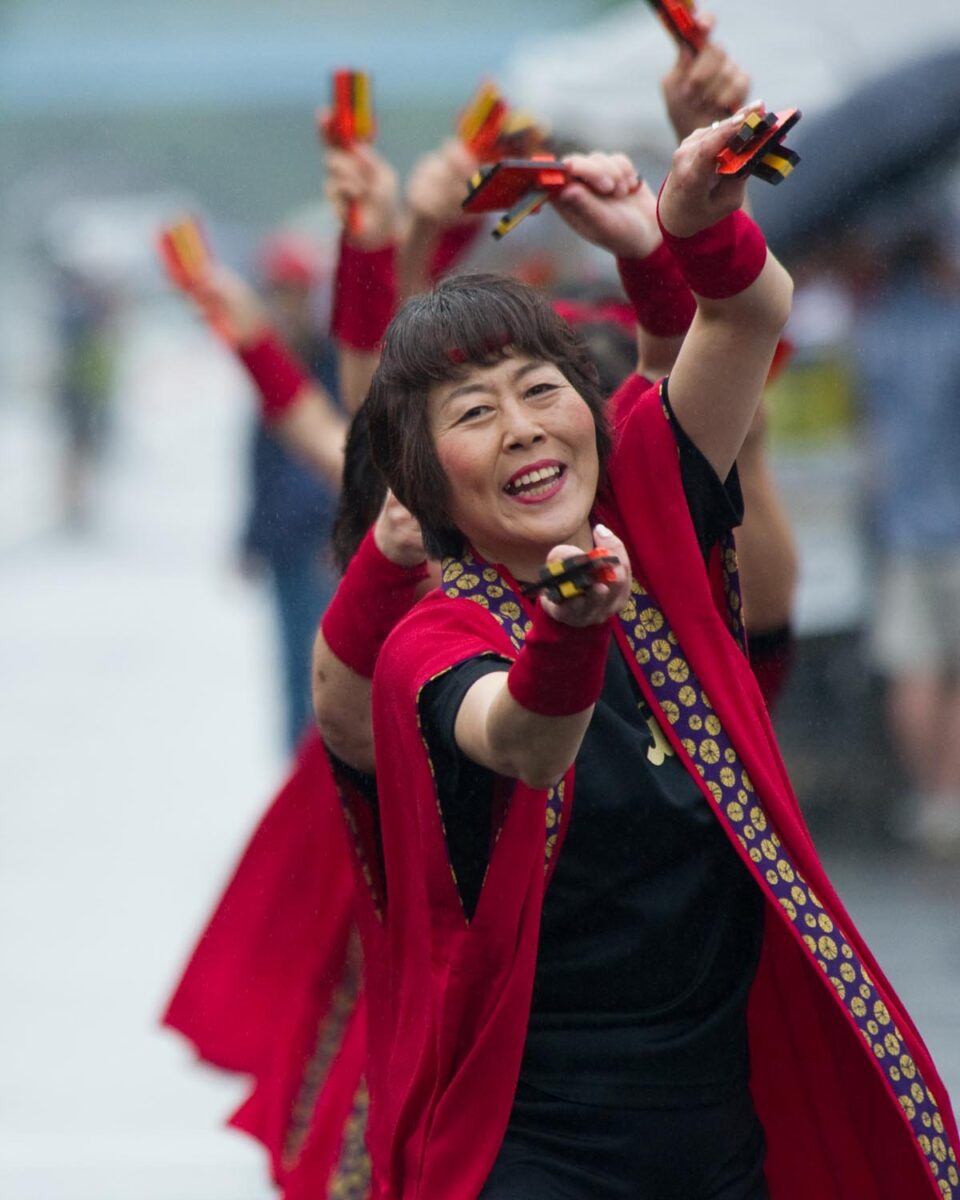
{"x": 651, "y": 925}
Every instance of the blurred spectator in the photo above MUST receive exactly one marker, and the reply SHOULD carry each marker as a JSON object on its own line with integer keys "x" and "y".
{"x": 290, "y": 513}
{"x": 84, "y": 382}
{"x": 907, "y": 353}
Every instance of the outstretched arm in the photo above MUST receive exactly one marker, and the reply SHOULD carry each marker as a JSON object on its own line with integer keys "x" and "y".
{"x": 527, "y": 723}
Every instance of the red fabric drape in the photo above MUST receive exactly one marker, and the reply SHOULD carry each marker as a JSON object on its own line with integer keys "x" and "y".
{"x": 272, "y": 988}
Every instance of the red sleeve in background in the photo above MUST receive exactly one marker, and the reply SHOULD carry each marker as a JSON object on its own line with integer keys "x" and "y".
{"x": 364, "y": 295}
{"x": 661, "y": 300}
{"x": 452, "y": 247}
{"x": 373, "y": 595}
{"x": 278, "y": 376}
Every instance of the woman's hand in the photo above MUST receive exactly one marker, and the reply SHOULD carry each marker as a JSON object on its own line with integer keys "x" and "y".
{"x": 397, "y": 534}
{"x": 704, "y": 87}
{"x": 362, "y": 178}
{"x": 602, "y": 600}
{"x": 694, "y": 195}
{"x": 230, "y": 306}
{"x": 608, "y": 204}
{"x": 438, "y": 185}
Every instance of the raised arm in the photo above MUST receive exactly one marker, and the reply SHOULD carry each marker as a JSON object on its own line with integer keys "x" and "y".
{"x": 702, "y": 88}
{"x": 697, "y": 90}
{"x": 620, "y": 220}
{"x": 365, "y": 288}
{"x": 608, "y": 205}
{"x": 743, "y": 298}
{"x": 298, "y": 409}
{"x": 437, "y": 230}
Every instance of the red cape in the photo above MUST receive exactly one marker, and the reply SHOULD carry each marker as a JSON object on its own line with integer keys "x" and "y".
{"x": 272, "y": 987}
{"x": 449, "y": 1014}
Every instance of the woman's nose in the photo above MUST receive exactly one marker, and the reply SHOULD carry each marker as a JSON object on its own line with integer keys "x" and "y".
{"x": 521, "y": 427}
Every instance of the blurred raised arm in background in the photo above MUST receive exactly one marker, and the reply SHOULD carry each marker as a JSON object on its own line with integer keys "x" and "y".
{"x": 364, "y": 191}
{"x": 437, "y": 231}
{"x": 702, "y": 88}
{"x": 299, "y": 410}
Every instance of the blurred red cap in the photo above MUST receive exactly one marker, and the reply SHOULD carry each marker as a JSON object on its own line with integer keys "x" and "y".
{"x": 286, "y": 258}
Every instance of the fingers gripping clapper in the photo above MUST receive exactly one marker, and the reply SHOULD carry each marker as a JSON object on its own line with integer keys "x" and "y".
{"x": 569, "y": 577}
{"x": 519, "y": 185}
{"x": 757, "y": 147}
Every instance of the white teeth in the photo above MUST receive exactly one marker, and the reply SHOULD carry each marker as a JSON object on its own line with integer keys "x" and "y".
{"x": 533, "y": 477}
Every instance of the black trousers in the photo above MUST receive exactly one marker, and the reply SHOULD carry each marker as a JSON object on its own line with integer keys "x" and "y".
{"x": 561, "y": 1150}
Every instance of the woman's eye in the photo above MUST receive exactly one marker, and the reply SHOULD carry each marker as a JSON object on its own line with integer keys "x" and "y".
{"x": 541, "y": 389}
{"x": 472, "y": 413}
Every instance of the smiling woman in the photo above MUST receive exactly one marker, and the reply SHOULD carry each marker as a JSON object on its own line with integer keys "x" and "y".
{"x": 593, "y": 857}
{"x": 461, "y": 359}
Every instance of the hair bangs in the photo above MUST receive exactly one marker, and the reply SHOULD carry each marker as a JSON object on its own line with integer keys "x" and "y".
{"x": 464, "y": 323}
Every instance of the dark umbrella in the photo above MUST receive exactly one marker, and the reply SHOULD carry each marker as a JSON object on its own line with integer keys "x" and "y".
{"x": 873, "y": 143}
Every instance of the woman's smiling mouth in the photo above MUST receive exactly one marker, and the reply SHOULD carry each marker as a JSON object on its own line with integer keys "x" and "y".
{"x": 535, "y": 482}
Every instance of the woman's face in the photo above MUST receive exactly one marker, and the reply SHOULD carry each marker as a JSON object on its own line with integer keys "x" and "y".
{"x": 518, "y": 446}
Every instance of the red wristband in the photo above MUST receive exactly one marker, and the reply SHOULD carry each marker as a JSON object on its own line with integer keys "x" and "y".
{"x": 451, "y": 246}
{"x": 662, "y": 302}
{"x": 561, "y": 667}
{"x": 277, "y": 374}
{"x": 364, "y": 295}
{"x": 373, "y": 595}
{"x": 721, "y": 260}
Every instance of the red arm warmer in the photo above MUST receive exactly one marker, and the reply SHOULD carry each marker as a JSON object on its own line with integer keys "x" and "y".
{"x": 721, "y": 260}
{"x": 373, "y": 595}
{"x": 364, "y": 295}
{"x": 560, "y": 669}
{"x": 278, "y": 377}
{"x": 451, "y": 246}
{"x": 661, "y": 299}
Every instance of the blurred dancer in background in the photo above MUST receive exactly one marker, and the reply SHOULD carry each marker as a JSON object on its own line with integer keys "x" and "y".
{"x": 287, "y": 531}
{"x": 84, "y": 319}
{"x": 913, "y": 447}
